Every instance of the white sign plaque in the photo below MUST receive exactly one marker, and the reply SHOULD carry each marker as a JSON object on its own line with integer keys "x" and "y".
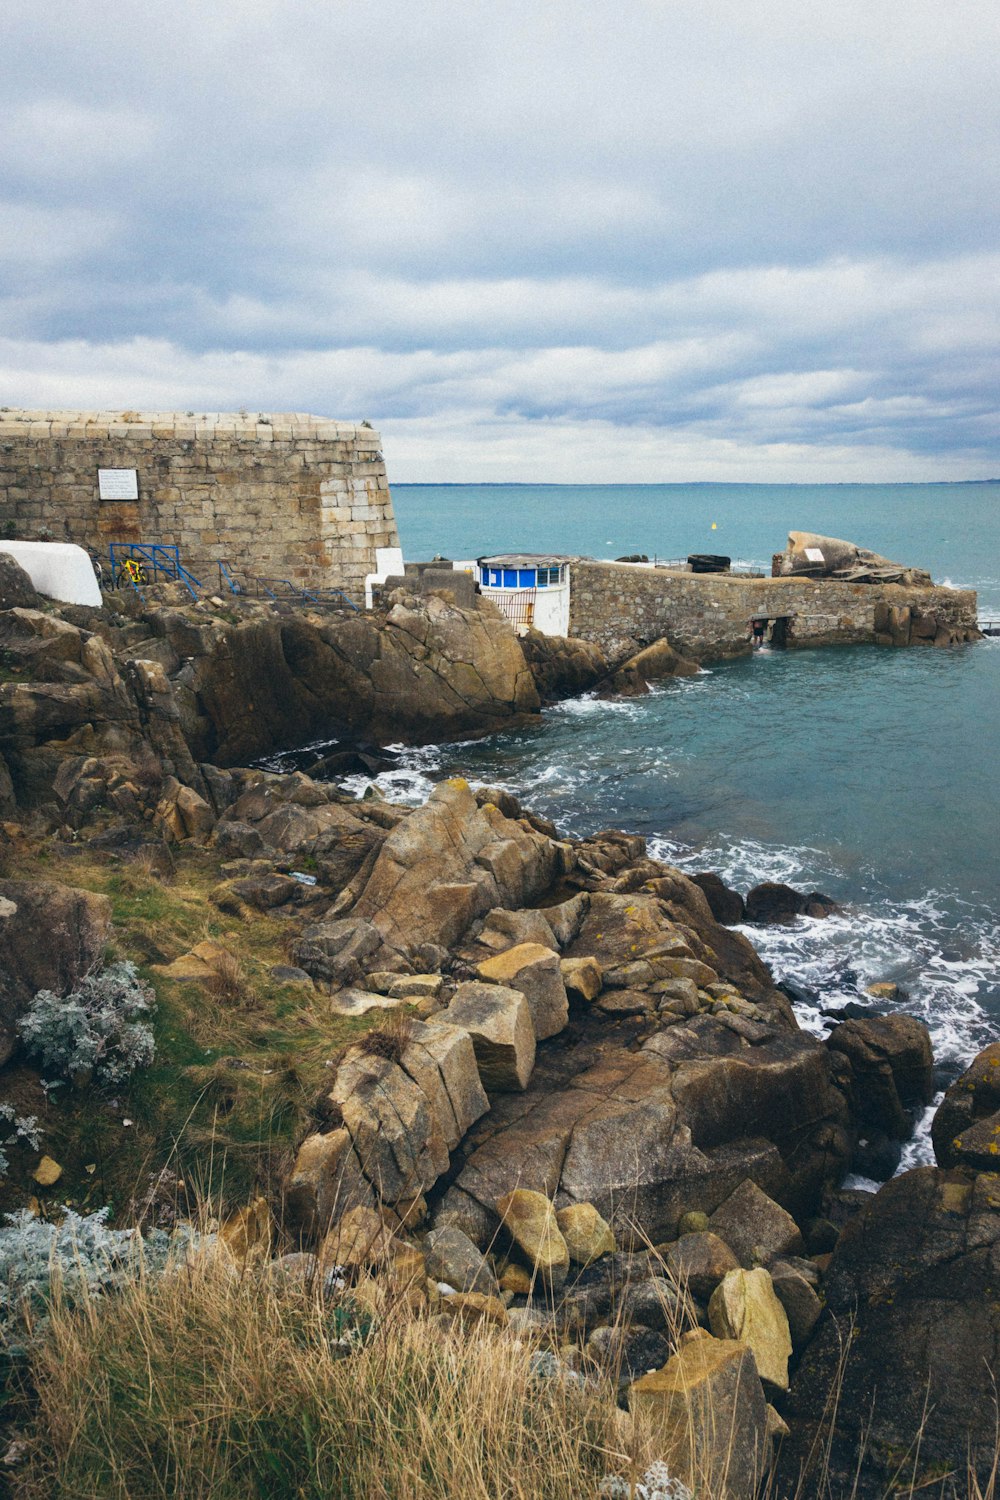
{"x": 814, "y": 554}
{"x": 118, "y": 484}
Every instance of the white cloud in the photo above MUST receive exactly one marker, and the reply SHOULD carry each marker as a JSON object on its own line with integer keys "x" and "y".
{"x": 658, "y": 227}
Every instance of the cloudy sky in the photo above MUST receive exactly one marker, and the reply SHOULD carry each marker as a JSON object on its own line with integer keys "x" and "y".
{"x": 560, "y": 240}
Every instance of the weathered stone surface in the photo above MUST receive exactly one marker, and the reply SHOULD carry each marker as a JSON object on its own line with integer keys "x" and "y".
{"x": 727, "y": 905}
{"x": 441, "y": 1060}
{"x": 744, "y": 1307}
{"x": 534, "y": 971}
{"x": 324, "y": 1183}
{"x": 505, "y": 929}
{"x": 752, "y": 1224}
{"x": 833, "y": 558}
{"x": 530, "y": 1220}
{"x": 893, "y": 1069}
{"x": 359, "y": 1238}
{"x": 699, "y": 1261}
{"x": 801, "y": 1304}
{"x": 966, "y": 1127}
{"x": 499, "y": 1022}
{"x": 587, "y": 1235}
{"x": 338, "y": 951}
{"x": 582, "y": 977}
{"x": 454, "y": 1259}
{"x": 628, "y": 1352}
{"x": 16, "y": 589}
{"x": 450, "y": 862}
{"x": 709, "y": 1419}
{"x": 911, "y": 1293}
{"x": 182, "y": 813}
{"x": 51, "y": 936}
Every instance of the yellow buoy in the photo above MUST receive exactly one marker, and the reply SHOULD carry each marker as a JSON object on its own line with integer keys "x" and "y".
{"x": 714, "y": 527}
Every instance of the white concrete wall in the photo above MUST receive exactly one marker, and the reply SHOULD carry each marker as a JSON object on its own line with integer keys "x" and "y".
{"x": 59, "y": 570}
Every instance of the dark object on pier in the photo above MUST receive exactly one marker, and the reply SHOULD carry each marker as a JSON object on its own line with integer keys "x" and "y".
{"x": 708, "y": 562}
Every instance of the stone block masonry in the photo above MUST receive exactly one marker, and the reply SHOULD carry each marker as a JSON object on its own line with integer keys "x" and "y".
{"x": 705, "y": 616}
{"x": 276, "y": 495}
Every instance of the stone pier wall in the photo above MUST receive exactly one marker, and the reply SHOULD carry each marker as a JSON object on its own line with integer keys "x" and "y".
{"x": 283, "y": 495}
{"x": 705, "y": 616}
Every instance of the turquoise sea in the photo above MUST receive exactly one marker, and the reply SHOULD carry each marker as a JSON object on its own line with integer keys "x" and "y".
{"x": 867, "y": 773}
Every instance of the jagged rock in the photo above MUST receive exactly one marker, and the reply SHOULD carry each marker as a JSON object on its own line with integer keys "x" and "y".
{"x": 587, "y": 1235}
{"x": 699, "y": 1261}
{"x": 534, "y": 971}
{"x": 708, "y": 1416}
{"x": 966, "y": 1127}
{"x": 893, "y": 1068}
{"x": 359, "y": 1238}
{"x": 744, "y": 1307}
{"x": 727, "y": 905}
{"x": 801, "y": 1304}
{"x": 450, "y": 862}
{"x": 833, "y": 558}
{"x": 182, "y": 813}
{"x": 582, "y": 977}
{"x": 440, "y": 1058}
{"x": 453, "y": 1258}
{"x": 652, "y": 664}
{"x": 530, "y": 1220}
{"x": 51, "y": 936}
{"x": 563, "y": 666}
{"x": 627, "y": 1353}
{"x": 338, "y": 951}
{"x": 326, "y": 1180}
{"x": 499, "y": 1022}
{"x": 506, "y": 929}
{"x": 656, "y": 1302}
{"x": 16, "y": 589}
{"x": 566, "y": 919}
{"x": 473, "y": 1308}
{"x": 752, "y": 1224}
{"x": 773, "y": 902}
{"x": 910, "y": 1291}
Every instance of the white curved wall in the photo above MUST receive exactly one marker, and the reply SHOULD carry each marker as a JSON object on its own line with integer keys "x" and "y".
{"x": 59, "y": 570}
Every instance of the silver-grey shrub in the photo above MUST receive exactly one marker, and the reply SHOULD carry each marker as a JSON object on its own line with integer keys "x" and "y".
{"x": 79, "y": 1257}
{"x": 97, "y": 1031}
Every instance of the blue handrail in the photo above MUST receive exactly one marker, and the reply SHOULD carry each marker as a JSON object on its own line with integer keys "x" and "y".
{"x": 163, "y": 557}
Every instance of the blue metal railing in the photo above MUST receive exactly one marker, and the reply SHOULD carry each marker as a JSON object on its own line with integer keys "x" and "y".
{"x": 159, "y": 557}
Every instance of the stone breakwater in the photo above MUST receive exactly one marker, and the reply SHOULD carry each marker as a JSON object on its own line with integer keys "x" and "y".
{"x": 275, "y": 494}
{"x": 705, "y": 616}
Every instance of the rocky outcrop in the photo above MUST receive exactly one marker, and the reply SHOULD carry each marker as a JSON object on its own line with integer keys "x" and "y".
{"x": 708, "y": 1416}
{"x": 51, "y": 937}
{"x": 423, "y": 672}
{"x": 896, "y": 1384}
{"x": 966, "y": 1127}
{"x": 563, "y": 667}
{"x": 892, "y": 1066}
{"x": 450, "y": 862}
{"x": 194, "y": 684}
{"x": 828, "y": 557}
{"x": 652, "y": 664}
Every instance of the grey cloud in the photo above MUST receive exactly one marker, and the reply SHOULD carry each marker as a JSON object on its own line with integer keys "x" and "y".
{"x": 768, "y": 224}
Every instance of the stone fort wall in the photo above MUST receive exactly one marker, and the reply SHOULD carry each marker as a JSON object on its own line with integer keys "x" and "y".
{"x": 705, "y": 616}
{"x": 283, "y": 495}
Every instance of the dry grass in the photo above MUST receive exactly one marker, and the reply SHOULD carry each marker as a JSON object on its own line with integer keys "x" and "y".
{"x": 229, "y": 984}
{"x": 203, "y": 1384}
{"x": 390, "y": 1038}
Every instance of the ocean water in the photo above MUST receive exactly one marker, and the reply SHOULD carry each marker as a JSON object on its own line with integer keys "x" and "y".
{"x": 866, "y": 773}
